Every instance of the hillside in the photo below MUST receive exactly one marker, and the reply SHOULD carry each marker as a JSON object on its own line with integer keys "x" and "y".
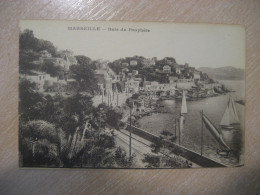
{"x": 224, "y": 73}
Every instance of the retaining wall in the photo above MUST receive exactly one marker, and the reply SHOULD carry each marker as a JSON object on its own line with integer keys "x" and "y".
{"x": 177, "y": 149}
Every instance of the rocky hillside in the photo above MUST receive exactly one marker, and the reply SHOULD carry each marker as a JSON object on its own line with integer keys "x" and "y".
{"x": 224, "y": 73}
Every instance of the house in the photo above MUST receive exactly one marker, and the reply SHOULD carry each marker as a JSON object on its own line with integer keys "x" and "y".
{"x": 65, "y": 63}
{"x": 129, "y": 75}
{"x": 185, "y": 83}
{"x": 141, "y": 88}
{"x": 110, "y": 72}
{"x": 138, "y": 79}
{"x": 196, "y": 75}
{"x": 43, "y": 80}
{"x": 148, "y": 63}
{"x": 70, "y": 56}
{"x": 108, "y": 85}
{"x": 101, "y": 75}
{"x": 45, "y": 54}
{"x": 145, "y": 84}
{"x": 135, "y": 72}
{"x": 124, "y": 64}
{"x": 172, "y": 79}
{"x": 105, "y": 79}
{"x": 191, "y": 69}
{"x": 166, "y": 69}
{"x": 133, "y": 63}
{"x": 132, "y": 86}
{"x": 124, "y": 70}
{"x": 66, "y": 60}
{"x": 119, "y": 77}
{"x": 178, "y": 70}
{"x": 154, "y": 85}
{"x": 169, "y": 60}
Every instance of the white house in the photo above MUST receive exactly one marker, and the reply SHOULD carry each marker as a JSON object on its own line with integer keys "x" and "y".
{"x": 41, "y": 79}
{"x": 132, "y": 86}
{"x": 133, "y": 63}
{"x": 196, "y": 75}
{"x": 135, "y": 72}
{"x": 166, "y": 69}
{"x": 124, "y": 64}
{"x": 148, "y": 63}
{"x": 45, "y": 54}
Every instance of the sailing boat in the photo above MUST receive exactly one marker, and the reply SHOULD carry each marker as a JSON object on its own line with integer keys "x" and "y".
{"x": 216, "y": 134}
{"x": 183, "y": 104}
{"x": 230, "y": 116}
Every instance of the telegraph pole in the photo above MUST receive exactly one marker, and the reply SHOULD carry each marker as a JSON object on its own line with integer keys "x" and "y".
{"x": 130, "y": 137}
{"x": 175, "y": 126}
{"x": 179, "y": 131}
{"x": 117, "y": 99}
{"x": 107, "y": 98}
{"x": 201, "y": 139}
{"x": 102, "y": 96}
{"x": 113, "y": 94}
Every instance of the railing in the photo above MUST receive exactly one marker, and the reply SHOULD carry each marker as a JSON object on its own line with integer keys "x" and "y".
{"x": 177, "y": 149}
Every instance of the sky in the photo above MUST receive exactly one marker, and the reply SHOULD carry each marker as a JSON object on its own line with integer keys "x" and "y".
{"x": 199, "y": 45}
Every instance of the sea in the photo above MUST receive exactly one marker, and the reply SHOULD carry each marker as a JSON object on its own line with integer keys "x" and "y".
{"x": 213, "y": 108}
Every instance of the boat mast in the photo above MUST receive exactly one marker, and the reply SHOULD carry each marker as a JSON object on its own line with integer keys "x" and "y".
{"x": 201, "y": 138}
{"x": 184, "y": 104}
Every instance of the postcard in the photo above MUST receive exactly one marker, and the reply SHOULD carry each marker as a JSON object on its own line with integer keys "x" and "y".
{"x": 102, "y": 94}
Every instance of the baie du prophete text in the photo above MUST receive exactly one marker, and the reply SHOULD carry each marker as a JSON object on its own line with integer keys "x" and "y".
{"x": 110, "y": 29}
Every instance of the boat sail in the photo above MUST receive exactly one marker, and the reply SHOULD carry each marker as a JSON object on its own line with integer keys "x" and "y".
{"x": 214, "y": 131}
{"x": 184, "y": 104}
{"x": 230, "y": 116}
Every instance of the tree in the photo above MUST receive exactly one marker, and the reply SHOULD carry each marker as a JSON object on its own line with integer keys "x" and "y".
{"x": 122, "y": 159}
{"x": 29, "y": 51}
{"x": 107, "y": 116}
{"x": 53, "y": 69}
{"x": 159, "y": 161}
{"x": 113, "y": 118}
{"x": 83, "y": 73}
{"x": 29, "y": 42}
{"x": 26, "y": 61}
{"x": 87, "y": 61}
{"x": 41, "y": 143}
{"x": 30, "y": 101}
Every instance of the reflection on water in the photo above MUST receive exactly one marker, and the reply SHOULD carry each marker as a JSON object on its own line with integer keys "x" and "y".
{"x": 213, "y": 108}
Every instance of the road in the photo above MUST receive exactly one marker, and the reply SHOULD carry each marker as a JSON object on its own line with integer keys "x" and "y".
{"x": 139, "y": 148}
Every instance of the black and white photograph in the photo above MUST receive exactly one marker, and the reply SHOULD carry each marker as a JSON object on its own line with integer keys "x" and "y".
{"x": 131, "y": 95}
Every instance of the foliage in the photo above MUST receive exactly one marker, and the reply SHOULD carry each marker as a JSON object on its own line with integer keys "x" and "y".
{"x": 157, "y": 145}
{"x": 121, "y": 158}
{"x": 63, "y": 130}
{"x": 84, "y": 75}
{"x": 51, "y": 68}
{"x": 166, "y": 133}
{"x": 40, "y": 142}
{"x": 30, "y": 101}
{"x": 26, "y": 61}
{"x": 29, "y": 42}
{"x": 29, "y": 48}
{"x": 153, "y": 161}
{"x": 107, "y": 116}
{"x": 87, "y": 61}
{"x": 158, "y": 161}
